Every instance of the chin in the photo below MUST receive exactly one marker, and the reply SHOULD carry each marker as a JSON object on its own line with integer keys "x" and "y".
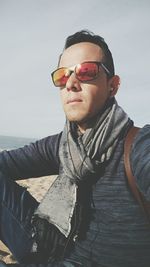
{"x": 79, "y": 117}
{"x": 74, "y": 118}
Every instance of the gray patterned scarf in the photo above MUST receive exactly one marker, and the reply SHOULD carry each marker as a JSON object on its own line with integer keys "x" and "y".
{"x": 79, "y": 154}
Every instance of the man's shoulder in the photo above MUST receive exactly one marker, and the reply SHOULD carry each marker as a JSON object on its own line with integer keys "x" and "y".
{"x": 144, "y": 131}
{"x": 142, "y": 139}
{"x": 140, "y": 160}
{"x": 50, "y": 139}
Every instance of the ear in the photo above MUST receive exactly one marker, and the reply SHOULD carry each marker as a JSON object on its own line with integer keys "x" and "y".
{"x": 114, "y": 84}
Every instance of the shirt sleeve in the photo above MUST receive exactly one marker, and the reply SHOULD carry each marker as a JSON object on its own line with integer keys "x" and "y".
{"x": 33, "y": 160}
{"x": 140, "y": 160}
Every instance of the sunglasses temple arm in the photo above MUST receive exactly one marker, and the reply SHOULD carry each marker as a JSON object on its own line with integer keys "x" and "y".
{"x": 107, "y": 71}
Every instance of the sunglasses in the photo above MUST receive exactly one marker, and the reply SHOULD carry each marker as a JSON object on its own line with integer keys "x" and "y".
{"x": 84, "y": 72}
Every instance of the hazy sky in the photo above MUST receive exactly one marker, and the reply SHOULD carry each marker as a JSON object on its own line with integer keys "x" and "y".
{"x": 32, "y": 35}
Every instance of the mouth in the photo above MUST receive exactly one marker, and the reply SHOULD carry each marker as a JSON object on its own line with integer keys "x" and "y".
{"x": 74, "y": 100}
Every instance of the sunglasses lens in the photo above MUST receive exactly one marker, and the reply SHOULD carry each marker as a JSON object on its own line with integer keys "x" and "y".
{"x": 60, "y": 77}
{"x": 86, "y": 71}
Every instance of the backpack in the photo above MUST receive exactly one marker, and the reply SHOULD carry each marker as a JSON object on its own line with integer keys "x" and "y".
{"x": 144, "y": 204}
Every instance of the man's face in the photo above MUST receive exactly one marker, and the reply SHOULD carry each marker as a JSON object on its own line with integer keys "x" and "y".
{"x": 82, "y": 101}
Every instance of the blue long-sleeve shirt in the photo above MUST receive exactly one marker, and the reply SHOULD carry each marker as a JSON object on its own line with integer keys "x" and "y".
{"x": 118, "y": 235}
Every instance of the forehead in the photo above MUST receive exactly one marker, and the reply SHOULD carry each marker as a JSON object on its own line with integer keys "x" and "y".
{"x": 79, "y": 53}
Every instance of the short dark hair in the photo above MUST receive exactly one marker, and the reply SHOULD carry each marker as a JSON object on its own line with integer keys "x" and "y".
{"x": 88, "y": 36}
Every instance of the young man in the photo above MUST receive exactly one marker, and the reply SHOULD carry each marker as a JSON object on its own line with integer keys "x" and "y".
{"x": 89, "y": 216}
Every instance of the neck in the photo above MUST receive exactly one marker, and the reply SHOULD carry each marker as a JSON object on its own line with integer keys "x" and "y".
{"x": 83, "y": 126}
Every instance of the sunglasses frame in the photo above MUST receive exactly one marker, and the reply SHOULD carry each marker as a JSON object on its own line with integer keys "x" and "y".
{"x": 98, "y": 63}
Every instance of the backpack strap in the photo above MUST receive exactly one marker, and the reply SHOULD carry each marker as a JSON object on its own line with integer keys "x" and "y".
{"x": 145, "y": 205}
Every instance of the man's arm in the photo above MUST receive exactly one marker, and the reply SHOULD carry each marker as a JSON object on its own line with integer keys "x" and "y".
{"x": 140, "y": 161}
{"x": 34, "y": 160}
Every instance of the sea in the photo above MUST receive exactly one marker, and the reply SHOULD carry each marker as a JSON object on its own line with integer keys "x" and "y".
{"x": 11, "y": 142}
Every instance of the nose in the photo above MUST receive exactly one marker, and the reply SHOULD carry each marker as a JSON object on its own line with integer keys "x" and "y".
{"x": 73, "y": 84}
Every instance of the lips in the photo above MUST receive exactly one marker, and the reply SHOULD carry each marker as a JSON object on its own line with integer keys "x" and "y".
{"x": 73, "y": 100}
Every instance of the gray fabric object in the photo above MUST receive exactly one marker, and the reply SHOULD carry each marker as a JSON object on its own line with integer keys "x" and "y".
{"x": 78, "y": 155}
